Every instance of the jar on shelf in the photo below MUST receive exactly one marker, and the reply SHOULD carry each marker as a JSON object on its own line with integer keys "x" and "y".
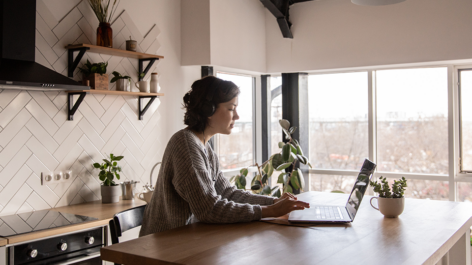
{"x": 154, "y": 85}
{"x": 104, "y": 35}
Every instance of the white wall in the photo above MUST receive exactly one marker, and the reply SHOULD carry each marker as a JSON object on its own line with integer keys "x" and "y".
{"x": 332, "y": 34}
{"x": 35, "y": 135}
{"x": 238, "y": 34}
{"x": 224, "y": 33}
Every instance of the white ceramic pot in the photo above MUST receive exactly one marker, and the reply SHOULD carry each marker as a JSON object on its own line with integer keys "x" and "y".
{"x": 154, "y": 84}
{"x": 122, "y": 85}
{"x": 110, "y": 194}
{"x": 389, "y": 207}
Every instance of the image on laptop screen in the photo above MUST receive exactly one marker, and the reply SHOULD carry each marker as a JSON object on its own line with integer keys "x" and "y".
{"x": 360, "y": 187}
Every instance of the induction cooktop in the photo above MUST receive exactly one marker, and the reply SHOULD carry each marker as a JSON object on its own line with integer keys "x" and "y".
{"x": 16, "y": 224}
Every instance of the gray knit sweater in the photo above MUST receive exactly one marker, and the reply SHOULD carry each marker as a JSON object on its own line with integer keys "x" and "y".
{"x": 191, "y": 187}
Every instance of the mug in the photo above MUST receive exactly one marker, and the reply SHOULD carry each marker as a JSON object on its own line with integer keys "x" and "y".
{"x": 389, "y": 207}
{"x": 145, "y": 196}
{"x": 143, "y": 86}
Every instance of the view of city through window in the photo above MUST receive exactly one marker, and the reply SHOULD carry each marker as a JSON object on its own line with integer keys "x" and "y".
{"x": 412, "y": 134}
{"x": 237, "y": 149}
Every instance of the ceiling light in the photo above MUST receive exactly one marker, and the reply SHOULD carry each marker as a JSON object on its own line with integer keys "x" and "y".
{"x": 376, "y": 2}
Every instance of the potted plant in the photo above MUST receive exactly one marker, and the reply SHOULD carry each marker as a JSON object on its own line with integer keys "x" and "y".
{"x": 104, "y": 14}
{"x": 122, "y": 82}
{"x": 95, "y": 74}
{"x": 108, "y": 171}
{"x": 290, "y": 153}
{"x": 391, "y": 201}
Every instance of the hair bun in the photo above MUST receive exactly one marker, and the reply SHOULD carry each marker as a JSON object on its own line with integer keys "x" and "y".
{"x": 187, "y": 98}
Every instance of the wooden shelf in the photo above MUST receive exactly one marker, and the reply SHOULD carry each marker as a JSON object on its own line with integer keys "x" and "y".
{"x": 82, "y": 48}
{"x": 115, "y": 52}
{"x": 112, "y": 92}
{"x": 72, "y": 108}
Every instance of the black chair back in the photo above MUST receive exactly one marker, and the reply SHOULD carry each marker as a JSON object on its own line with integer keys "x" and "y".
{"x": 124, "y": 221}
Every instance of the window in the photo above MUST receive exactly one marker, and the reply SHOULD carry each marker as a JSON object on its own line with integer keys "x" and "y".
{"x": 237, "y": 149}
{"x": 412, "y": 121}
{"x": 465, "y": 79}
{"x": 338, "y": 120}
{"x": 275, "y": 113}
{"x": 407, "y": 133}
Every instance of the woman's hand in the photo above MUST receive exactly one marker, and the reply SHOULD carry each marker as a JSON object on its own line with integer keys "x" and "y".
{"x": 285, "y": 195}
{"x": 283, "y": 206}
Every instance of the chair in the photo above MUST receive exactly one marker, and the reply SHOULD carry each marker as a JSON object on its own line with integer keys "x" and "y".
{"x": 124, "y": 221}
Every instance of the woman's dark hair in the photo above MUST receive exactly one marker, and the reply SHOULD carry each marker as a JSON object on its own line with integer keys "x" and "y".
{"x": 203, "y": 99}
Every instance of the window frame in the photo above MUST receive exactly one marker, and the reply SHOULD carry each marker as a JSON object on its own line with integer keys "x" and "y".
{"x": 256, "y": 130}
{"x": 454, "y": 175}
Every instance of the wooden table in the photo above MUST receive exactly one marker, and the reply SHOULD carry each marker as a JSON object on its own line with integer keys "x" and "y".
{"x": 427, "y": 232}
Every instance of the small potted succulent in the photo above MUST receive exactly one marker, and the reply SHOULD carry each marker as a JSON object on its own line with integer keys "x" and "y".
{"x": 122, "y": 82}
{"x": 108, "y": 171}
{"x": 95, "y": 74}
{"x": 391, "y": 201}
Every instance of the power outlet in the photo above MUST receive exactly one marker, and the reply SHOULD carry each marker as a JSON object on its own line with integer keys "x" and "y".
{"x": 52, "y": 178}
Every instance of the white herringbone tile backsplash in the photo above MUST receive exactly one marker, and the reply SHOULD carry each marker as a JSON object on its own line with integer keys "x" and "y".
{"x": 36, "y": 137}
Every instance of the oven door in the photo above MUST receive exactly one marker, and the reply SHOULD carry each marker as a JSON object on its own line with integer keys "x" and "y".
{"x": 74, "y": 248}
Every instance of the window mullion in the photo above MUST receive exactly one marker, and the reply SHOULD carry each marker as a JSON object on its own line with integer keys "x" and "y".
{"x": 453, "y": 121}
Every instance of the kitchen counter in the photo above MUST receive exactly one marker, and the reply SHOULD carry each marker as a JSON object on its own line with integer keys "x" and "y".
{"x": 104, "y": 212}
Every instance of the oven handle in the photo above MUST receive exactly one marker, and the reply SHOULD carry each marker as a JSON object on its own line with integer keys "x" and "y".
{"x": 79, "y": 259}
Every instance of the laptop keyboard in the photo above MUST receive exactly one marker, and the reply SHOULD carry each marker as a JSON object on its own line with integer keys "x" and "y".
{"x": 326, "y": 212}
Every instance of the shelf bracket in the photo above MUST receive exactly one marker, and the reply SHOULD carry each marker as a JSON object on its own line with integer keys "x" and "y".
{"x": 148, "y": 67}
{"x": 72, "y": 109}
{"x": 72, "y": 64}
{"x": 141, "y": 110}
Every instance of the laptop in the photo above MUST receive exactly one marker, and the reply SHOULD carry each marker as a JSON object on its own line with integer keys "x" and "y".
{"x": 338, "y": 214}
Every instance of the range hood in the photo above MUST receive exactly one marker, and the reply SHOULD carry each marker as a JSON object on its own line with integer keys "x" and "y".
{"x": 18, "y": 69}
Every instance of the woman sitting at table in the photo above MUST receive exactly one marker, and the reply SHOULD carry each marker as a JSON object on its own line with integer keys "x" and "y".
{"x": 190, "y": 186}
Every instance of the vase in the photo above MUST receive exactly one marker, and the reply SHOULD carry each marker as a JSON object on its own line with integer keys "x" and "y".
{"x": 110, "y": 194}
{"x": 104, "y": 35}
{"x": 154, "y": 84}
{"x": 96, "y": 81}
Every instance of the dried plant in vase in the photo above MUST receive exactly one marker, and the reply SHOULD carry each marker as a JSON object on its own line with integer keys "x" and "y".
{"x": 104, "y": 13}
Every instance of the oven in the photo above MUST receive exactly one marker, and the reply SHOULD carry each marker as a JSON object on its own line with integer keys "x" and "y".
{"x": 81, "y": 247}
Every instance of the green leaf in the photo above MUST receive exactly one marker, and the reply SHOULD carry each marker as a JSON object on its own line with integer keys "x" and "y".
{"x": 283, "y": 166}
{"x": 301, "y": 159}
{"x": 102, "y": 177}
{"x": 309, "y": 165}
{"x": 292, "y": 157}
{"x": 232, "y": 178}
{"x": 96, "y": 165}
{"x": 266, "y": 168}
{"x": 255, "y": 187}
{"x": 107, "y": 161}
{"x": 110, "y": 176}
{"x": 277, "y": 160}
{"x": 286, "y": 152}
{"x": 277, "y": 194}
{"x": 285, "y": 124}
{"x": 117, "y": 176}
{"x": 118, "y": 158}
{"x": 102, "y": 172}
{"x": 280, "y": 179}
{"x": 293, "y": 149}
{"x": 116, "y": 74}
{"x": 301, "y": 179}
{"x": 266, "y": 190}
{"x": 264, "y": 178}
{"x": 287, "y": 188}
{"x": 271, "y": 170}
{"x": 292, "y": 130}
{"x": 299, "y": 150}
{"x": 114, "y": 164}
{"x": 281, "y": 144}
{"x": 294, "y": 180}
{"x": 242, "y": 181}
{"x": 244, "y": 171}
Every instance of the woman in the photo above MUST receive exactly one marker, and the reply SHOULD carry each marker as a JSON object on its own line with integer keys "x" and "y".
{"x": 190, "y": 186}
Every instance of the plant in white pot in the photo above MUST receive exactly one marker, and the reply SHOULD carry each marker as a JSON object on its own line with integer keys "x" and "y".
{"x": 122, "y": 82}
{"x": 108, "y": 171}
{"x": 391, "y": 202}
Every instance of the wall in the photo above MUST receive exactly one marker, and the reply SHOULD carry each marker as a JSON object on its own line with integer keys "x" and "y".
{"x": 35, "y": 135}
{"x": 224, "y": 33}
{"x": 333, "y": 34}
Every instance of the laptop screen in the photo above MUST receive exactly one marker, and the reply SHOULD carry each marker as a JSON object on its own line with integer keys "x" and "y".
{"x": 360, "y": 187}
